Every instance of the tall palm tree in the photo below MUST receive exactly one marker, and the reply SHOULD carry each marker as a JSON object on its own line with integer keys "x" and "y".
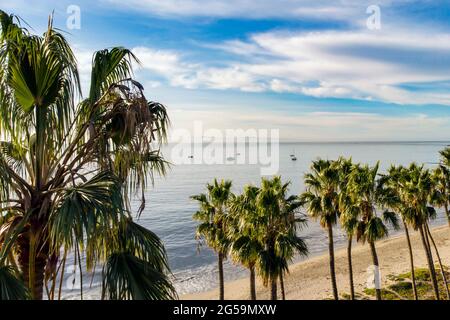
{"x": 278, "y": 222}
{"x": 322, "y": 202}
{"x": 437, "y": 198}
{"x": 67, "y": 169}
{"x": 289, "y": 243}
{"x": 441, "y": 179}
{"x": 348, "y": 218}
{"x": 442, "y": 175}
{"x": 415, "y": 189}
{"x": 390, "y": 185}
{"x": 441, "y": 267}
{"x": 365, "y": 196}
{"x": 243, "y": 232}
{"x": 213, "y": 222}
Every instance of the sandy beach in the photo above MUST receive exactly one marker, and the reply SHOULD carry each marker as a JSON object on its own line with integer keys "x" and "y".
{"x": 310, "y": 279}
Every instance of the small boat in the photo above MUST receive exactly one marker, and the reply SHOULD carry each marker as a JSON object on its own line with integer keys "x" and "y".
{"x": 292, "y": 155}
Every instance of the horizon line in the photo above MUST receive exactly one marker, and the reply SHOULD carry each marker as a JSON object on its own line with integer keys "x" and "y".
{"x": 337, "y": 141}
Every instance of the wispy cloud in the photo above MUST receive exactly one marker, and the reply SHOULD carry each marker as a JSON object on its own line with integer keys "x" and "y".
{"x": 345, "y": 64}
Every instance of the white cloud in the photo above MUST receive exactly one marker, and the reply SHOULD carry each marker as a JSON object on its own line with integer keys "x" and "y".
{"x": 357, "y": 64}
{"x": 163, "y": 62}
{"x": 188, "y": 75}
{"x": 344, "y": 64}
{"x": 340, "y": 64}
{"x": 288, "y": 71}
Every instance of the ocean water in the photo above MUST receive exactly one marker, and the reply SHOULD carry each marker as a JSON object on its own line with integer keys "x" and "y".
{"x": 169, "y": 209}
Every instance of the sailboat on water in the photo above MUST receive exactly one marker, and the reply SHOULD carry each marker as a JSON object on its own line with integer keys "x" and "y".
{"x": 293, "y": 157}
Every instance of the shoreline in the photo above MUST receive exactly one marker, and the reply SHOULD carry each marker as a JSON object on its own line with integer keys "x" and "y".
{"x": 310, "y": 279}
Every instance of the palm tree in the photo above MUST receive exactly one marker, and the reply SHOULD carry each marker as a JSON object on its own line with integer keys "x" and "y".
{"x": 365, "y": 196}
{"x": 445, "y": 157}
{"x": 438, "y": 197}
{"x": 243, "y": 233}
{"x": 414, "y": 190}
{"x": 442, "y": 175}
{"x": 322, "y": 199}
{"x": 441, "y": 179}
{"x": 288, "y": 243}
{"x": 67, "y": 169}
{"x": 278, "y": 222}
{"x": 390, "y": 185}
{"x": 441, "y": 267}
{"x": 348, "y": 218}
{"x": 213, "y": 222}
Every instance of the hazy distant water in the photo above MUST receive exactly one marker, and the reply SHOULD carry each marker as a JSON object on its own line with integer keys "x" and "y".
{"x": 169, "y": 209}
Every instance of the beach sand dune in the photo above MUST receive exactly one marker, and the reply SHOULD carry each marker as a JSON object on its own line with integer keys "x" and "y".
{"x": 310, "y": 279}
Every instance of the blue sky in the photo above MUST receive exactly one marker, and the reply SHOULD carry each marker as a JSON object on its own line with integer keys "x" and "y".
{"x": 312, "y": 69}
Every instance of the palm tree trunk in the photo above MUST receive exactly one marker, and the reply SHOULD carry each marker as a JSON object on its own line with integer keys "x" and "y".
{"x": 273, "y": 288}
{"x": 430, "y": 263}
{"x": 221, "y": 282}
{"x": 332, "y": 266}
{"x": 252, "y": 283}
{"x": 350, "y": 267}
{"x": 411, "y": 262}
{"x": 377, "y": 269}
{"x": 444, "y": 278}
{"x": 32, "y": 263}
{"x": 40, "y": 120}
{"x": 447, "y": 213}
{"x": 283, "y": 295}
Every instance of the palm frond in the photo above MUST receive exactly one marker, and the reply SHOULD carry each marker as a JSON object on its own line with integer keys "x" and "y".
{"x": 391, "y": 218}
{"x": 144, "y": 244}
{"x": 11, "y": 287}
{"x": 375, "y": 230}
{"x": 127, "y": 277}
{"x": 87, "y": 211}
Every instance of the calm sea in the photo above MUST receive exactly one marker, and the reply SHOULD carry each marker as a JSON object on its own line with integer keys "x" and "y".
{"x": 169, "y": 208}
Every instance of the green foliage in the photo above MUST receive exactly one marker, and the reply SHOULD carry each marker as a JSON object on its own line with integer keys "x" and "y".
{"x": 68, "y": 169}
{"x": 359, "y": 201}
{"x": 137, "y": 267}
{"x": 445, "y": 157}
{"x": 213, "y": 215}
{"x": 278, "y": 222}
{"x": 243, "y": 228}
{"x": 400, "y": 287}
{"x": 86, "y": 211}
{"x": 126, "y": 277}
{"x": 11, "y": 287}
{"x": 321, "y": 196}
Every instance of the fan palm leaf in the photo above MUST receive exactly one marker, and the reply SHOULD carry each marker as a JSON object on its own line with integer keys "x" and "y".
{"x": 11, "y": 288}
